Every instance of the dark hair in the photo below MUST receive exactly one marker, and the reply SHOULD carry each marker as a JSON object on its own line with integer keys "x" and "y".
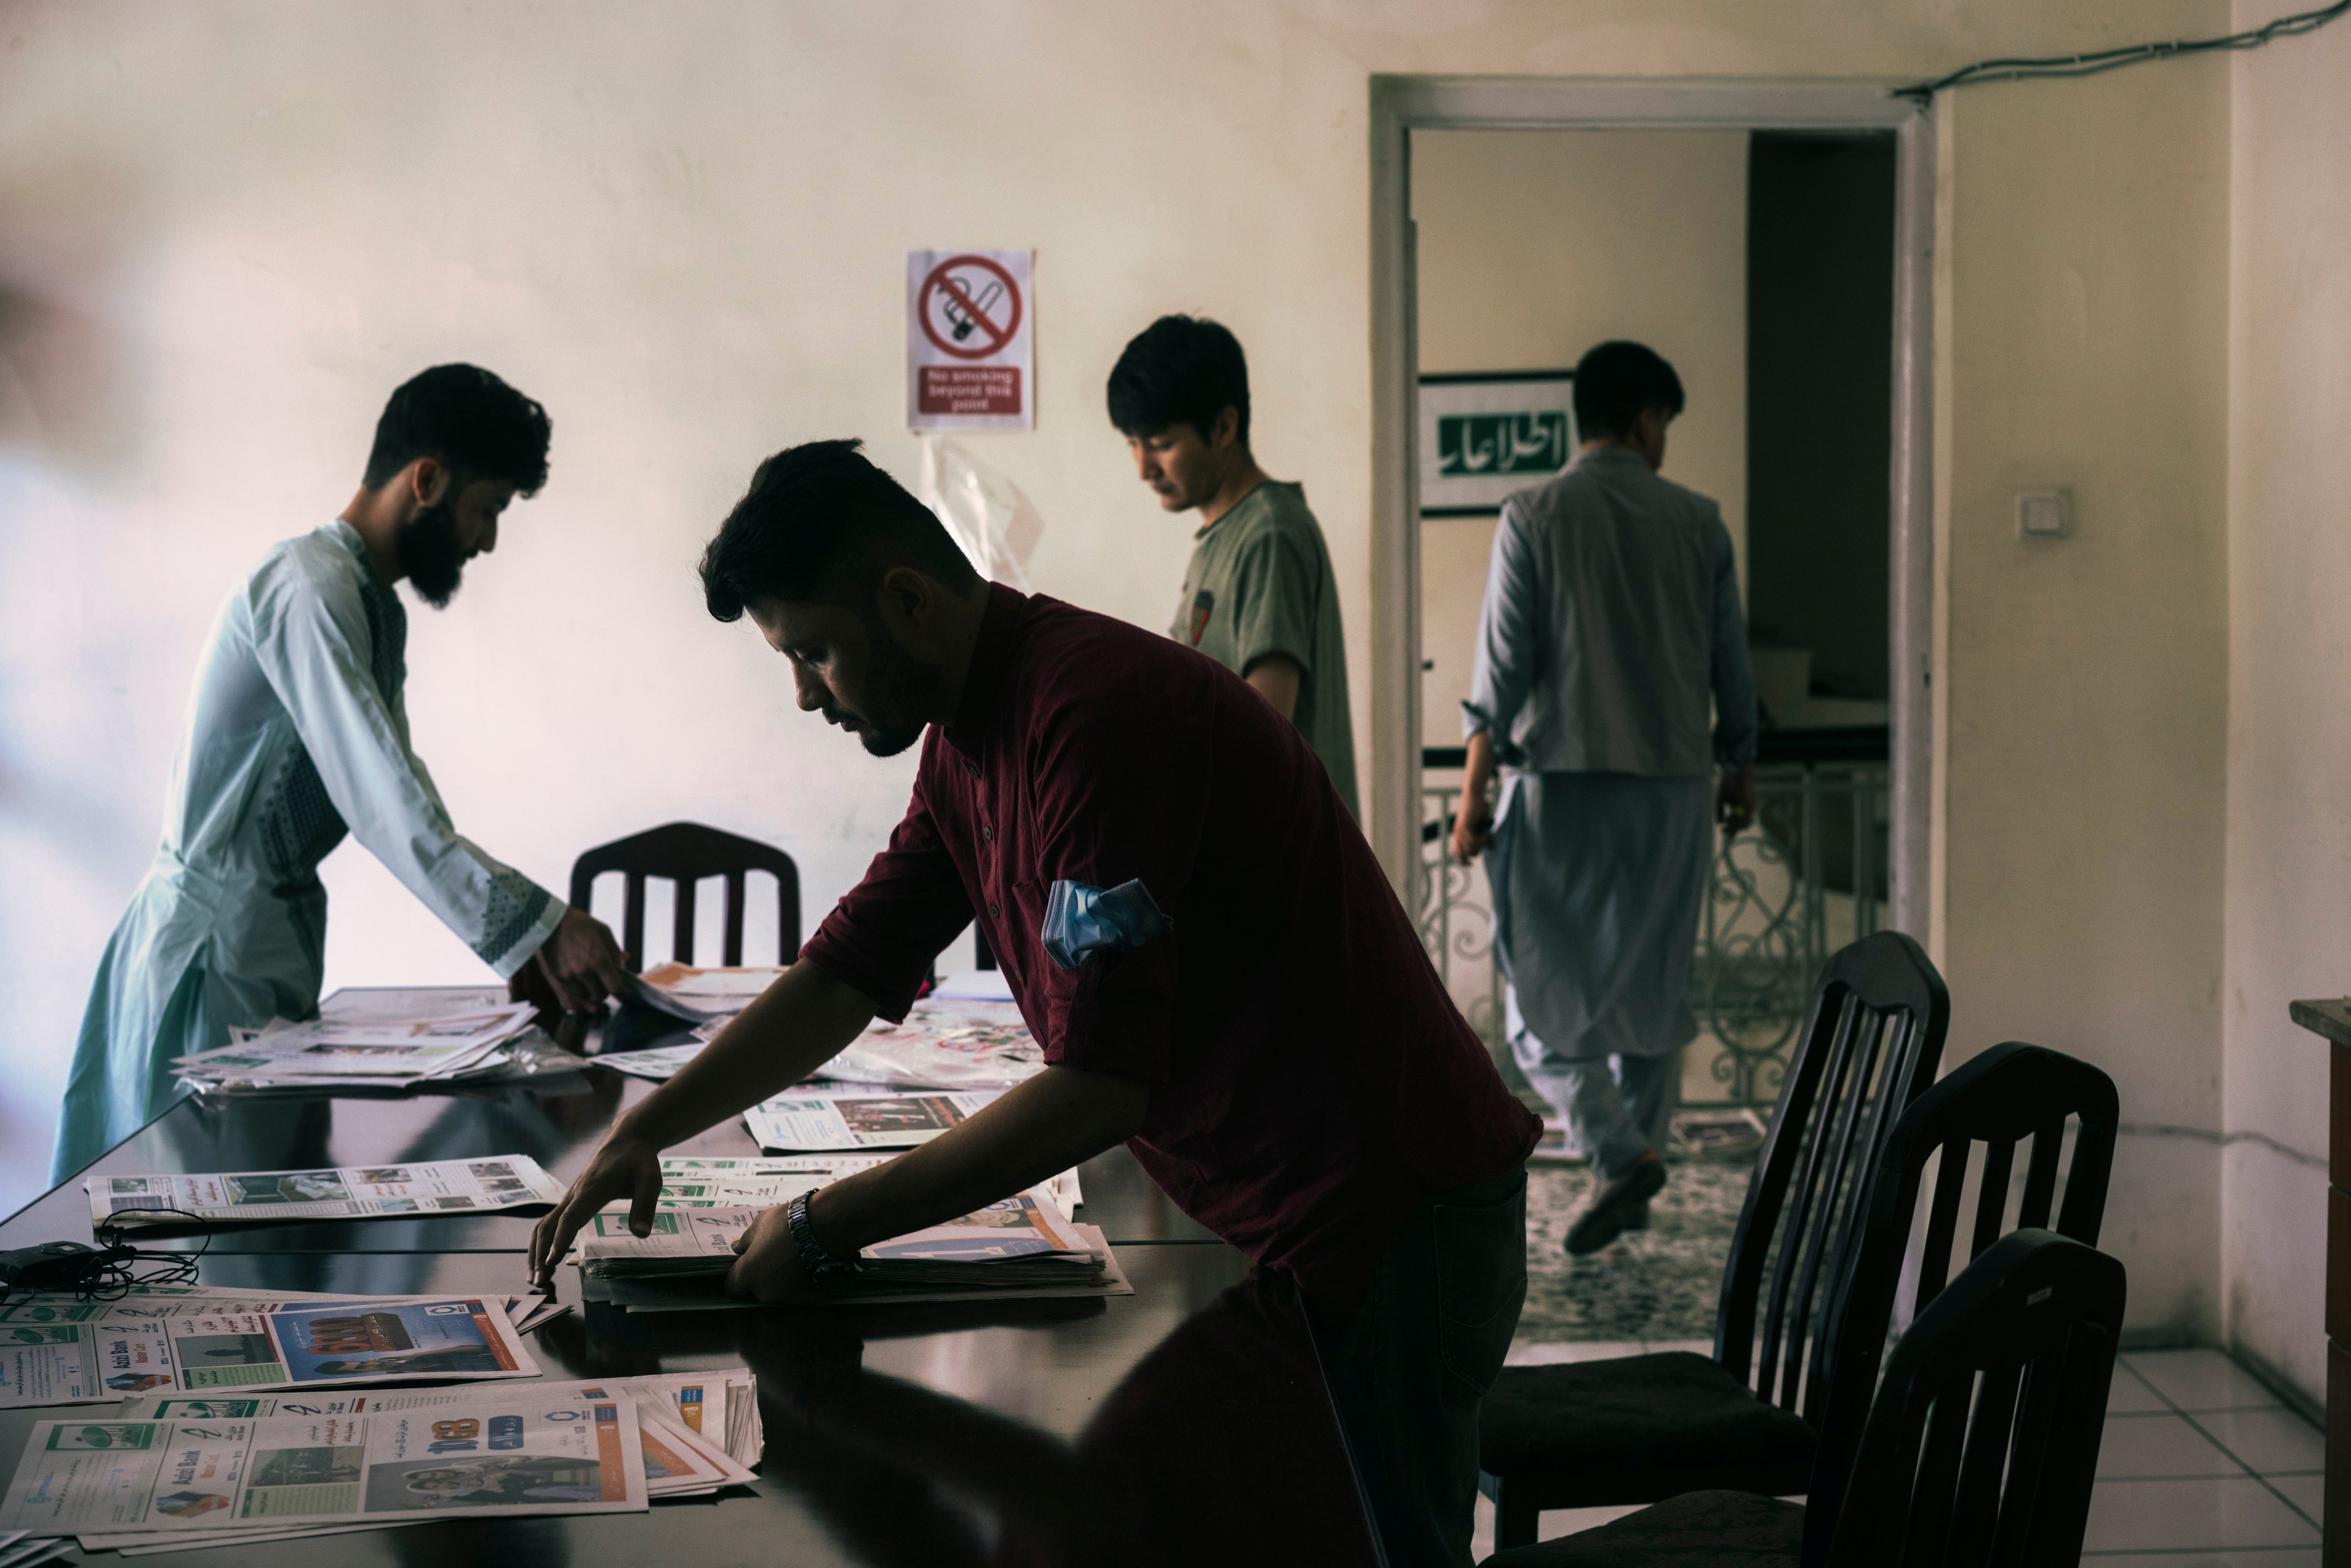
{"x": 1617, "y": 383}
{"x": 1180, "y": 369}
{"x": 813, "y": 513}
{"x": 464, "y": 417}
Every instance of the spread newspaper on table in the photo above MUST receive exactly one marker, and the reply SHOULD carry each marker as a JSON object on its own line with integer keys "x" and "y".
{"x": 816, "y": 1122}
{"x": 500, "y": 1184}
{"x": 1021, "y": 1246}
{"x": 499, "y": 1453}
{"x": 312, "y": 1344}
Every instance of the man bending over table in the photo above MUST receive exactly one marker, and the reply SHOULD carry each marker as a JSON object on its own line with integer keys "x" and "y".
{"x": 1251, "y": 1011}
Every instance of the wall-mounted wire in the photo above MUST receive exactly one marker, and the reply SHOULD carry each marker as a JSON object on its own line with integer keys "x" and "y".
{"x": 2090, "y": 65}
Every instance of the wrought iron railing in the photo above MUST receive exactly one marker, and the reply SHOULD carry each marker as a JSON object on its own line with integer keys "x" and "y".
{"x": 1807, "y": 878}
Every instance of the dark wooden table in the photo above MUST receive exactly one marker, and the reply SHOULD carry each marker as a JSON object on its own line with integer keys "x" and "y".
{"x": 1184, "y": 1424}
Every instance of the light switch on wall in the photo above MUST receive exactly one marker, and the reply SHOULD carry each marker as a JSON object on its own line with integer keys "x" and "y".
{"x": 2041, "y": 515}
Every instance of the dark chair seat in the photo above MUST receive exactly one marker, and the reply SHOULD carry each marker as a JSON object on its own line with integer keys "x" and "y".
{"x": 1699, "y": 1530}
{"x": 1638, "y": 1429}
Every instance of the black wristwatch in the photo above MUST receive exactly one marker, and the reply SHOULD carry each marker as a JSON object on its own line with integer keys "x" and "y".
{"x": 824, "y": 1269}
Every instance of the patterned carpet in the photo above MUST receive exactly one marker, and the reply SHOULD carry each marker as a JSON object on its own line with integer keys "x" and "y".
{"x": 1657, "y": 1284}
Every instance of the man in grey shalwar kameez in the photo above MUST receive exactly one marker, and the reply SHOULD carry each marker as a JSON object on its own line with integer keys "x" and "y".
{"x": 1611, "y": 620}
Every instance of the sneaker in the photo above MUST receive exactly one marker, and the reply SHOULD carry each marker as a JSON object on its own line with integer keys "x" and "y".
{"x": 1637, "y": 1216}
{"x": 1609, "y": 1216}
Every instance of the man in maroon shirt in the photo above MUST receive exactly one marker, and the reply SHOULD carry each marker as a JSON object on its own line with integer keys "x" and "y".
{"x": 1266, "y": 1035}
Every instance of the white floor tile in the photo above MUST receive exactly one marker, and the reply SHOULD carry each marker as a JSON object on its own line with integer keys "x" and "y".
{"x": 1523, "y": 1355}
{"x": 2200, "y": 1380}
{"x": 2142, "y": 1448}
{"x": 2307, "y": 1493}
{"x": 2201, "y": 1515}
{"x": 2270, "y": 1442}
{"x": 2130, "y": 1394}
{"x": 2292, "y": 1557}
{"x": 1549, "y": 1526}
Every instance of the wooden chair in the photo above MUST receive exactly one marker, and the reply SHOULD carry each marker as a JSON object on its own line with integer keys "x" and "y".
{"x": 685, "y": 853}
{"x": 2012, "y": 1094}
{"x": 1637, "y": 1429}
{"x": 1979, "y": 1451}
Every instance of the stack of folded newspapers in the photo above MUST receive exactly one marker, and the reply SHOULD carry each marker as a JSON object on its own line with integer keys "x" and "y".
{"x": 209, "y": 1341}
{"x": 1022, "y": 1247}
{"x": 497, "y": 1184}
{"x": 702, "y": 1181}
{"x": 428, "y": 1038}
{"x": 697, "y": 996}
{"x": 943, "y": 1044}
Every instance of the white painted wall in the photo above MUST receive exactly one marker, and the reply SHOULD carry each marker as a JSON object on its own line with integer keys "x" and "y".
{"x": 2084, "y": 346}
{"x": 228, "y": 227}
{"x": 1533, "y": 246}
{"x": 2289, "y": 576}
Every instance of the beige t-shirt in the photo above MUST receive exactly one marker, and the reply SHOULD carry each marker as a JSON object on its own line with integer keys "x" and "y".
{"x": 1260, "y": 582}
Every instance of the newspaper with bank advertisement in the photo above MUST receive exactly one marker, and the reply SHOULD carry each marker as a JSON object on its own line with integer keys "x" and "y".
{"x": 498, "y": 1183}
{"x": 500, "y": 1454}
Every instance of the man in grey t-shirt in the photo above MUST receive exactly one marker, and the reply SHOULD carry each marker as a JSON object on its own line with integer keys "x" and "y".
{"x": 1258, "y": 596}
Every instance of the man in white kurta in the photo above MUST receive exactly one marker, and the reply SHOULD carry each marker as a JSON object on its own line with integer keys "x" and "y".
{"x": 1611, "y": 626}
{"x": 297, "y": 734}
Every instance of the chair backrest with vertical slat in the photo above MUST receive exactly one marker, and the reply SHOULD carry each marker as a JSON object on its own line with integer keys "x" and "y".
{"x": 2010, "y": 1094}
{"x": 1982, "y": 1442}
{"x": 685, "y": 853}
{"x": 1871, "y": 1043}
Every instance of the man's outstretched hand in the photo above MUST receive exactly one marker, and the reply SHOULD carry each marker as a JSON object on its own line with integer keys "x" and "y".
{"x": 624, "y": 1167}
{"x": 582, "y": 962}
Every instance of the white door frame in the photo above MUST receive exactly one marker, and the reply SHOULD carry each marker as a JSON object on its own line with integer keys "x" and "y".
{"x": 1401, "y": 105}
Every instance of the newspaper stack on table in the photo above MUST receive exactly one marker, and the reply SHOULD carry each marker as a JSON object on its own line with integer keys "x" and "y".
{"x": 697, "y": 996}
{"x": 185, "y": 1480}
{"x": 1022, "y": 1247}
{"x": 194, "y": 1339}
{"x": 699, "y": 1181}
{"x": 375, "y": 1044}
{"x": 498, "y": 1183}
{"x": 943, "y": 1044}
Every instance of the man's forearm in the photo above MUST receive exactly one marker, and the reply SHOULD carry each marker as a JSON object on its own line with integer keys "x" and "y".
{"x": 1058, "y": 1118}
{"x": 795, "y": 1026}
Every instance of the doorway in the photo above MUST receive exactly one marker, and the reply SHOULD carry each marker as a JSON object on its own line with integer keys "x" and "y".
{"x": 1770, "y": 242}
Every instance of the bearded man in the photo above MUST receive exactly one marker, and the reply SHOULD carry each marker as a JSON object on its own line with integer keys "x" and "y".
{"x": 297, "y": 733}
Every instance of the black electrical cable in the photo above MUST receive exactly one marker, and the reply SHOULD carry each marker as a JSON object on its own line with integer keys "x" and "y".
{"x": 2090, "y": 65}
{"x": 103, "y": 1273}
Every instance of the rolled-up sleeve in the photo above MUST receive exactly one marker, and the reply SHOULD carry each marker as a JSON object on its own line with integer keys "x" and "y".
{"x": 1733, "y": 673}
{"x": 1510, "y": 627}
{"x": 314, "y": 645}
{"x": 1122, "y": 796}
{"x": 882, "y": 937}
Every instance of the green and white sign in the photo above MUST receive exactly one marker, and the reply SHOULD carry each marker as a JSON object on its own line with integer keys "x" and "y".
{"x": 1484, "y": 436}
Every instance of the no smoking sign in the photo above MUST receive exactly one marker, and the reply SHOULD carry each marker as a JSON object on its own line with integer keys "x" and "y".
{"x": 968, "y": 360}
